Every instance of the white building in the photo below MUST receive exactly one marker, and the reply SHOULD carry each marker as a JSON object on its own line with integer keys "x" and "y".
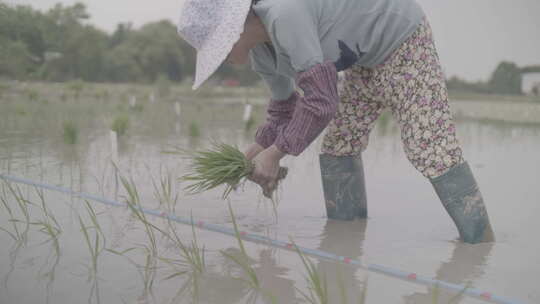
{"x": 530, "y": 80}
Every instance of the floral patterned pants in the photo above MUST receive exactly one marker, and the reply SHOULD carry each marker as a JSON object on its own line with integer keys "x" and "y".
{"x": 412, "y": 85}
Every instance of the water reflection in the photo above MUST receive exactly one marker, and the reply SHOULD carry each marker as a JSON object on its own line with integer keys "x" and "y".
{"x": 344, "y": 239}
{"x": 31, "y": 143}
{"x": 480, "y": 135}
{"x": 225, "y": 288}
{"x": 222, "y": 286}
{"x": 273, "y": 279}
{"x": 124, "y": 146}
{"x": 466, "y": 265}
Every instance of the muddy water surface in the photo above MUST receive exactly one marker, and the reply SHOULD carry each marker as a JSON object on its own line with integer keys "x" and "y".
{"x": 407, "y": 228}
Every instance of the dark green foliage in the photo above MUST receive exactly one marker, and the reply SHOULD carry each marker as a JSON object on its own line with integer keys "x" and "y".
{"x": 163, "y": 85}
{"x": 458, "y": 84}
{"x": 14, "y": 59}
{"x": 60, "y": 45}
{"x": 146, "y": 54}
{"x": 506, "y": 79}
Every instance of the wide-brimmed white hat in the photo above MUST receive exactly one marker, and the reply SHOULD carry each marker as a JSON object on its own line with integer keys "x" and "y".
{"x": 212, "y": 27}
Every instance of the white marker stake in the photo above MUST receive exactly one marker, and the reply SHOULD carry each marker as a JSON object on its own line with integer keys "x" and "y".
{"x": 247, "y": 112}
{"x": 114, "y": 146}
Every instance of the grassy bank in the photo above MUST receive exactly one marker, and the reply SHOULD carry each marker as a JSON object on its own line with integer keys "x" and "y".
{"x": 467, "y": 96}
{"x": 78, "y": 90}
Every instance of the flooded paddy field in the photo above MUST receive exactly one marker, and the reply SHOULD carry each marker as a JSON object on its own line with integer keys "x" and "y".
{"x": 58, "y": 248}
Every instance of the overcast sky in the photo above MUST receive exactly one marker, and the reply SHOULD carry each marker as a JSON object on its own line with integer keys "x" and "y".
{"x": 472, "y": 36}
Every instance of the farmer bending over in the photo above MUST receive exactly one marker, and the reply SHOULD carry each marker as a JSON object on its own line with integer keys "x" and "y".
{"x": 387, "y": 53}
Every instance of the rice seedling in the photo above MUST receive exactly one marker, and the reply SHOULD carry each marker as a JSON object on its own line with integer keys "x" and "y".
{"x": 194, "y": 130}
{"x": 192, "y": 262}
{"x": 21, "y": 236}
{"x": 151, "y": 252}
{"x": 251, "y": 279}
{"x": 93, "y": 217}
{"x": 222, "y": 164}
{"x": 164, "y": 192}
{"x": 149, "y": 272}
{"x": 16, "y": 235}
{"x": 49, "y": 224}
{"x": 95, "y": 246}
{"x": 317, "y": 284}
{"x": 192, "y": 255}
{"x": 133, "y": 203}
{"x": 50, "y": 227}
{"x": 120, "y": 124}
{"x": 21, "y": 201}
{"x": 146, "y": 272}
{"x": 70, "y": 132}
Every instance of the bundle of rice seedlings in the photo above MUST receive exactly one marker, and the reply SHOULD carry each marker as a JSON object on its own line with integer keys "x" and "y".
{"x": 222, "y": 164}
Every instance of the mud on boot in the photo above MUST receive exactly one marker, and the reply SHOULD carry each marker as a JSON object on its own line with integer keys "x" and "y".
{"x": 344, "y": 186}
{"x": 460, "y": 196}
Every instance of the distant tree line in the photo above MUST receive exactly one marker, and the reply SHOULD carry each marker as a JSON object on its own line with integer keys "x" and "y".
{"x": 60, "y": 45}
{"x": 505, "y": 80}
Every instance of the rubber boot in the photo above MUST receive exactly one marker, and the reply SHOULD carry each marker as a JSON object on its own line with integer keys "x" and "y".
{"x": 460, "y": 196}
{"x": 344, "y": 186}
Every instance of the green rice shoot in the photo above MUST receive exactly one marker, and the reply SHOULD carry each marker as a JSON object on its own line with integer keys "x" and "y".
{"x": 222, "y": 164}
{"x": 71, "y": 132}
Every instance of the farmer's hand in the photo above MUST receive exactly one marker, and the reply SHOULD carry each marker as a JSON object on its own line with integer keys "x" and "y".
{"x": 266, "y": 172}
{"x": 253, "y": 150}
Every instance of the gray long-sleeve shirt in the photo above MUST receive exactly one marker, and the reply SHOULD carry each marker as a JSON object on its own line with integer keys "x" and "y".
{"x": 305, "y": 33}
